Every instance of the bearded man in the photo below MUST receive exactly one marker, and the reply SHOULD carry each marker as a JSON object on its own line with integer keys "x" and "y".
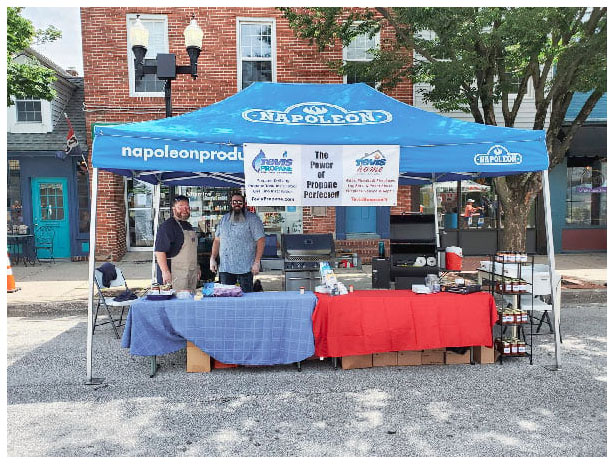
{"x": 239, "y": 242}
{"x": 176, "y": 249}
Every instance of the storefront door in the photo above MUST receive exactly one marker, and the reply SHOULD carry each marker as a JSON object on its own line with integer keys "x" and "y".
{"x": 360, "y": 220}
{"x": 140, "y": 214}
{"x": 50, "y": 209}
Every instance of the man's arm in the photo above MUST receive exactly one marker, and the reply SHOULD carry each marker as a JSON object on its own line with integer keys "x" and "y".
{"x": 163, "y": 263}
{"x": 215, "y": 250}
{"x": 259, "y": 251}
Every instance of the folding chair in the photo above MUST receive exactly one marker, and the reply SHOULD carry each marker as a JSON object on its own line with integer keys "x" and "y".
{"x": 109, "y": 301}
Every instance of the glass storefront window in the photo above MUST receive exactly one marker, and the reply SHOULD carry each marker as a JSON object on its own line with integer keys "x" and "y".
{"x": 140, "y": 213}
{"x": 281, "y": 220}
{"x": 587, "y": 194}
{"x": 83, "y": 201}
{"x": 481, "y": 191}
{"x": 13, "y": 193}
{"x": 207, "y": 206}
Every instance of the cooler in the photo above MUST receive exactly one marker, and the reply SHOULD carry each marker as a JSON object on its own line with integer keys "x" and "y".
{"x": 454, "y": 258}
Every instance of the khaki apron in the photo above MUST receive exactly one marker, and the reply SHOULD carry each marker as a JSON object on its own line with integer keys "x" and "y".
{"x": 184, "y": 266}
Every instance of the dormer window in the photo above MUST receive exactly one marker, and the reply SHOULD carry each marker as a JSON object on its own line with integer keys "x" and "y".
{"x": 29, "y": 110}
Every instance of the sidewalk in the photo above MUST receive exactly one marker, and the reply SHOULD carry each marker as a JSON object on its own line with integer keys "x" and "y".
{"x": 66, "y": 281}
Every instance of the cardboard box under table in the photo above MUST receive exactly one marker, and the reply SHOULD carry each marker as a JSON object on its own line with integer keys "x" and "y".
{"x": 382, "y": 321}
{"x": 196, "y": 359}
{"x": 263, "y": 328}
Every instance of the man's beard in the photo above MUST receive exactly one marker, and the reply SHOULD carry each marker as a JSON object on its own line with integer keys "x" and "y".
{"x": 237, "y": 215}
{"x": 181, "y": 216}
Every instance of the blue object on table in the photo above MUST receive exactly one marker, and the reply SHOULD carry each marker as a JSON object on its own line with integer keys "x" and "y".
{"x": 450, "y": 220}
{"x": 256, "y": 329}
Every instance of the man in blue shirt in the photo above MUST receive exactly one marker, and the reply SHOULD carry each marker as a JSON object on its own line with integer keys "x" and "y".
{"x": 239, "y": 242}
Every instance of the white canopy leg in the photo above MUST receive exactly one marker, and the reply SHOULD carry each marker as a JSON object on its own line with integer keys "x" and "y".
{"x": 437, "y": 242}
{"x": 556, "y": 304}
{"x": 156, "y": 200}
{"x": 90, "y": 297}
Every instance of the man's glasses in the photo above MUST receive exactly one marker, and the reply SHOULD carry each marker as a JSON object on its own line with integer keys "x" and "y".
{"x": 236, "y": 202}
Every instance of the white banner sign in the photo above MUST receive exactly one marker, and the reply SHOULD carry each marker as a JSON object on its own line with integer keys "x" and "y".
{"x": 321, "y": 175}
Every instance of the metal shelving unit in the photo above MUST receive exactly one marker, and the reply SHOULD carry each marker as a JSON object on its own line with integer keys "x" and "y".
{"x": 508, "y": 288}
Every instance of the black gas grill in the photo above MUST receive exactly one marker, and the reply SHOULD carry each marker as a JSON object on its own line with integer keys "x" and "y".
{"x": 411, "y": 236}
{"x": 302, "y": 254}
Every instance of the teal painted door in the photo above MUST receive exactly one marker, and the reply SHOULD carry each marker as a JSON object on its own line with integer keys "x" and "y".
{"x": 360, "y": 219}
{"x": 50, "y": 208}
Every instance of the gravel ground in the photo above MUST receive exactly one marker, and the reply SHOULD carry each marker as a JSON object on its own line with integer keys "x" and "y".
{"x": 513, "y": 409}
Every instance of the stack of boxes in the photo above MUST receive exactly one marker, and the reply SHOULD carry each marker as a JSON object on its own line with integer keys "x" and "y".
{"x": 481, "y": 355}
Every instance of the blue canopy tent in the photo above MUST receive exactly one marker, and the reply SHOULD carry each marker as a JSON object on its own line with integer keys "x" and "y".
{"x": 205, "y": 147}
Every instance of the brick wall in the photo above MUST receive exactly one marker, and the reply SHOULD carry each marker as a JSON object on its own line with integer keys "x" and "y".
{"x": 107, "y": 99}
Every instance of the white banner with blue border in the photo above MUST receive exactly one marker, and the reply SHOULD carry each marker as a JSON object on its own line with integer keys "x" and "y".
{"x": 321, "y": 175}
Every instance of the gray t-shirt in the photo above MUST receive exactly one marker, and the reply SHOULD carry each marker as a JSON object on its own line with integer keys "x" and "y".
{"x": 238, "y": 242}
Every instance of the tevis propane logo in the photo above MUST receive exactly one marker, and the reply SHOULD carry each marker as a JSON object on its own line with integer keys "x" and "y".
{"x": 497, "y": 155}
{"x": 281, "y": 165}
{"x": 373, "y": 162}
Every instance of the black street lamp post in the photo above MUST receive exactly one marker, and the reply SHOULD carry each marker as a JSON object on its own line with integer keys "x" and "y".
{"x": 165, "y": 68}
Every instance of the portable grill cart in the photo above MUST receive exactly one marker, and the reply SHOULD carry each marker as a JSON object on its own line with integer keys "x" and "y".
{"x": 302, "y": 254}
{"x": 411, "y": 236}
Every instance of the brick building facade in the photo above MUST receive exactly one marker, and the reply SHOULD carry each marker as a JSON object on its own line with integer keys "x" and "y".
{"x": 109, "y": 98}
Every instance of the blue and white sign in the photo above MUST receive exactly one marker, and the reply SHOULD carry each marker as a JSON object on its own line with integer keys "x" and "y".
{"x": 321, "y": 175}
{"x": 497, "y": 155}
{"x": 318, "y": 114}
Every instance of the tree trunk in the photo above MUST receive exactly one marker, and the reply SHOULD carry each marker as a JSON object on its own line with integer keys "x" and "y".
{"x": 515, "y": 227}
{"x": 516, "y": 193}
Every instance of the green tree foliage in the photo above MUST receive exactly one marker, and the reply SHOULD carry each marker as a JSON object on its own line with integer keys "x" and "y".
{"x": 476, "y": 58}
{"x": 27, "y": 79}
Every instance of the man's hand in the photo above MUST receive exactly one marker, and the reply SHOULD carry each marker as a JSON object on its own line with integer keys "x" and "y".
{"x": 256, "y": 268}
{"x": 166, "y": 277}
{"x": 213, "y": 265}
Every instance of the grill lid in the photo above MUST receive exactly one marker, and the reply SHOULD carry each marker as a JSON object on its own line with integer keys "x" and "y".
{"x": 412, "y": 228}
{"x": 307, "y": 245}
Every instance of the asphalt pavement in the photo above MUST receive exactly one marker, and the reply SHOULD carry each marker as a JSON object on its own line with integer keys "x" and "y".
{"x": 509, "y": 409}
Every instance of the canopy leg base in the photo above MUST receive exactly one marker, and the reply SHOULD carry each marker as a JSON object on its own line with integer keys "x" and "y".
{"x": 94, "y": 381}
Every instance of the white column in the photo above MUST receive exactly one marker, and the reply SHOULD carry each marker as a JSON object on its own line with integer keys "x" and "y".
{"x": 556, "y": 304}
{"x": 156, "y": 202}
{"x": 436, "y": 215}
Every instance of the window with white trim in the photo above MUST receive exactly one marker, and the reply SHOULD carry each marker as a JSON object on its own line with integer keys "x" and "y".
{"x": 28, "y": 110}
{"x": 149, "y": 85}
{"x": 256, "y": 56}
{"x": 358, "y": 51}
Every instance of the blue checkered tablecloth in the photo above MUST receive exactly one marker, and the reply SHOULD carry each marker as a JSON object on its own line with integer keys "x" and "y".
{"x": 256, "y": 329}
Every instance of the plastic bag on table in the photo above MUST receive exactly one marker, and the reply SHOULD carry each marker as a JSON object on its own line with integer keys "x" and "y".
{"x": 227, "y": 290}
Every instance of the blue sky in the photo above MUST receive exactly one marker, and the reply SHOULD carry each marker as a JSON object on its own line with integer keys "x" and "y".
{"x": 65, "y": 52}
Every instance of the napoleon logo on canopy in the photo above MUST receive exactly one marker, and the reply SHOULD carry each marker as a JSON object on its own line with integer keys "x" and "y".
{"x": 273, "y": 165}
{"x": 497, "y": 155}
{"x": 317, "y": 114}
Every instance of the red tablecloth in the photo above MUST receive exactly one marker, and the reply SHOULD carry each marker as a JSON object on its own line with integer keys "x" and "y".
{"x": 378, "y": 321}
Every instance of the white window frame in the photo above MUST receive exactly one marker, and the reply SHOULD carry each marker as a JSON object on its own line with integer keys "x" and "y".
{"x": 129, "y": 245}
{"x": 363, "y": 60}
{"x": 273, "y": 58}
{"x": 29, "y": 127}
{"x": 130, "y": 54}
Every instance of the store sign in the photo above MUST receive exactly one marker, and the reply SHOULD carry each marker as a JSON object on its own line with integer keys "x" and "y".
{"x": 591, "y": 189}
{"x": 497, "y": 155}
{"x": 317, "y": 114}
{"x": 321, "y": 175}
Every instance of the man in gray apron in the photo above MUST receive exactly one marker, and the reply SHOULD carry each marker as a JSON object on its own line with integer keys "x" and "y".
{"x": 176, "y": 249}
